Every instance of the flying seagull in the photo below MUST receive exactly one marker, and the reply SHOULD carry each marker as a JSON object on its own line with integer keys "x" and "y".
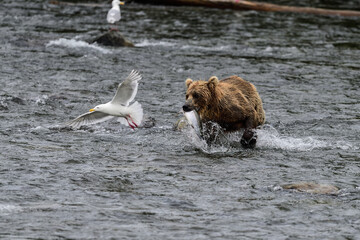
{"x": 114, "y": 14}
{"x": 118, "y": 107}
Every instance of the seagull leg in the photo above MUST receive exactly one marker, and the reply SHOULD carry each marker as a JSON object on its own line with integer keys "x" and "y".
{"x": 132, "y": 126}
{"x": 113, "y": 28}
{"x": 133, "y": 121}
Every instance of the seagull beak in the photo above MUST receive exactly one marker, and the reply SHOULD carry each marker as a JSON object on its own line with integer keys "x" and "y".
{"x": 91, "y": 110}
{"x": 122, "y": 3}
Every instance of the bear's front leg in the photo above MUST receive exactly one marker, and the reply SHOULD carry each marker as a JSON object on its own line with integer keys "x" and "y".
{"x": 248, "y": 139}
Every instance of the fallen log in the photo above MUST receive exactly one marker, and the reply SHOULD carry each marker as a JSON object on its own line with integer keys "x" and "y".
{"x": 256, "y": 6}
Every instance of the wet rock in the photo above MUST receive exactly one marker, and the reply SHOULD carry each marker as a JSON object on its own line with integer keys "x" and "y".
{"x": 310, "y": 187}
{"x": 18, "y": 100}
{"x": 14, "y": 99}
{"x": 61, "y": 128}
{"x": 6, "y": 100}
{"x": 86, "y": 128}
{"x": 3, "y": 106}
{"x": 113, "y": 38}
{"x": 148, "y": 122}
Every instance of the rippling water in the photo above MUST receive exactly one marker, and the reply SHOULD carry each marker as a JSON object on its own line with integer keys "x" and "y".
{"x": 107, "y": 181}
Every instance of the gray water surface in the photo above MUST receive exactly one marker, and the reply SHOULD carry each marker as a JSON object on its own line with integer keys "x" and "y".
{"x": 107, "y": 181}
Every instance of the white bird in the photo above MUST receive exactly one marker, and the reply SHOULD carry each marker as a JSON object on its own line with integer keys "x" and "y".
{"x": 114, "y": 14}
{"x": 118, "y": 107}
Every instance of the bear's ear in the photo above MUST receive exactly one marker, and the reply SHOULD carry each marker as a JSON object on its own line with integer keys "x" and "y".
{"x": 188, "y": 82}
{"x": 212, "y": 82}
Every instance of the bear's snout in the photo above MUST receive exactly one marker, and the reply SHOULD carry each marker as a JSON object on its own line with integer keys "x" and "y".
{"x": 187, "y": 108}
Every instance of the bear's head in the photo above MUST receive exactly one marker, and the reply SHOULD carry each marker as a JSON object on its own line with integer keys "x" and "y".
{"x": 199, "y": 94}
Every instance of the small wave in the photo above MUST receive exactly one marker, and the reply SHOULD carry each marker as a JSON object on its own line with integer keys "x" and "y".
{"x": 72, "y": 43}
{"x": 6, "y": 209}
{"x": 41, "y": 100}
{"x": 202, "y": 48}
{"x": 147, "y": 43}
{"x": 343, "y": 145}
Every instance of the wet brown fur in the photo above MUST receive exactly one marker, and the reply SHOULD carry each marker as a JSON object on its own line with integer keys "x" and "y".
{"x": 232, "y": 102}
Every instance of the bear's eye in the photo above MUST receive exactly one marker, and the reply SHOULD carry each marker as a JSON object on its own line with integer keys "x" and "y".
{"x": 195, "y": 95}
{"x": 187, "y": 96}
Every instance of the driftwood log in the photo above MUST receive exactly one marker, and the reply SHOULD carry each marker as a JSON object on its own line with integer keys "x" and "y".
{"x": 256, "y": 6}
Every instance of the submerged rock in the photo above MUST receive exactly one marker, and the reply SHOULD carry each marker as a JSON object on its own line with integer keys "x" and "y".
{"x": 6, "y": 100}
{"x": 310, "y": 187}
{"x": 148, "y": 122}
{"x": 3, "y": 106}
{"x": 113, "y": 38}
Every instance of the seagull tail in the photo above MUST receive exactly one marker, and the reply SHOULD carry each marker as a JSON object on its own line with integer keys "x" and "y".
{"x": 136, "y": 113}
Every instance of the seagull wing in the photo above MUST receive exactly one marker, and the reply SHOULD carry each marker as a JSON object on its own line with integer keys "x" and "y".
{"x": 89, "y": 118}
{"x": 127, "y": 90}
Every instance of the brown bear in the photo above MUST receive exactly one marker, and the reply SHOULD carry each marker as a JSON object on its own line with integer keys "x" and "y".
{"x": 232, "y": 102}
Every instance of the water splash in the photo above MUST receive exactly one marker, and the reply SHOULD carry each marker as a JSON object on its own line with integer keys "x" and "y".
{"x": 217, "y": 142}
{"x": 72, "y": 43}
{"x": 41, "y": 100}
{"x": 268, "y": 138}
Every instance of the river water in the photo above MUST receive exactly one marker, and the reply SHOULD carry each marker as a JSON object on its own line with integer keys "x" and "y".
{"x": 107, "y": 181}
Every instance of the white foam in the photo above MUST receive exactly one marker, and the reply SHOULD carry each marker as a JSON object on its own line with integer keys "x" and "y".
{"x": 147, "y": 43}
{"x": 6, "y": 209}
{"x": 343, "y": 145}
{"x": 268, "y": 138}
{"x": 289, "y": 143}
{"x": 202, "y": 48}
{"x": 42, "y": 100}
{"x": 72, "y": 43}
